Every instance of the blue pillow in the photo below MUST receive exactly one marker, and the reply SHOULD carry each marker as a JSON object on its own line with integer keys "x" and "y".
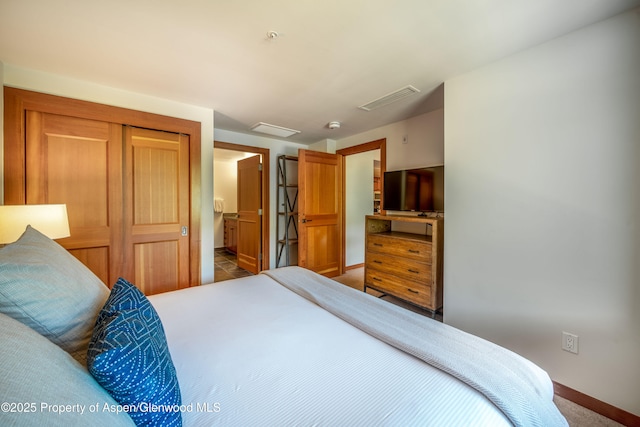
{"x": 129, "y": 357}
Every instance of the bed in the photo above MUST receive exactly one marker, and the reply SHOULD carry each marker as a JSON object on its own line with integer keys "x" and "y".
{"x": 285, "y": 347}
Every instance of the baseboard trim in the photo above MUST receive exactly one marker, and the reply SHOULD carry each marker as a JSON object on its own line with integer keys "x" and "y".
{"x": 353, "y": 267}
{"x": 598, "y": 406}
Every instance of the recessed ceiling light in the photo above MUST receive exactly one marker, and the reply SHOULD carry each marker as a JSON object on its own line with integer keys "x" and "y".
{"x": 334, "y": 125}
{"x": 274, "y": 130}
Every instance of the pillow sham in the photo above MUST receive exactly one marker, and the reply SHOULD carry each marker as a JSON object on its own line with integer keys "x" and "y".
{"x": 48, "y": 289}
{"x": 128, "y": 355}
{"x": 38, "y": 378}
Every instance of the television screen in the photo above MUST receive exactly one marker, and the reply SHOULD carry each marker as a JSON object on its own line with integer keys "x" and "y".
{"x": 419, "y": 190}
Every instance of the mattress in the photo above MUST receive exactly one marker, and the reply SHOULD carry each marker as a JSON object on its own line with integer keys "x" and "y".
{"x": 250, "y": 352}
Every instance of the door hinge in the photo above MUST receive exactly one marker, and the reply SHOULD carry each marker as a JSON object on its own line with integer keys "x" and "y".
{"x": 260, "y": 212}
{"x": 260, "y": 257}
{"x": 184, "y": 231}
{"x": 260, "y": 167}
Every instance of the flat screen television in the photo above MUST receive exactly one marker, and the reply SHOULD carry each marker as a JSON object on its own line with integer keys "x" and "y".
{"x": 416, "y": 190}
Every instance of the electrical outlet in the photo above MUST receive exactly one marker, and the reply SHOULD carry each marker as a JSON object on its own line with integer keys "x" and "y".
{"x": 570, "y": 342}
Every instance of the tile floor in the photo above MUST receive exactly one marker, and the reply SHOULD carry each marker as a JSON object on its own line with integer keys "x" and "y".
{"x": 226, "y": 266}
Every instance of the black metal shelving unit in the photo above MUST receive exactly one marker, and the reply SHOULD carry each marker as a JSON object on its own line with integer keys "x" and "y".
{"x": 287, "y": 200}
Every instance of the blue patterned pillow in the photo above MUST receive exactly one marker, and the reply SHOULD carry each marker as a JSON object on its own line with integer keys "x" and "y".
{"x": 129, "y": 357}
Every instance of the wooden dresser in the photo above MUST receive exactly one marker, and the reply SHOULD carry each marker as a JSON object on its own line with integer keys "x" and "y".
{"x": 406, "y": 265}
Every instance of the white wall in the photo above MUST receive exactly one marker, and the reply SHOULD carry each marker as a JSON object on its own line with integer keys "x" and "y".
{"x": 412, "y": 143}
{"x": 324, "y": 146}
{"x": 62, "y": 86}
{"x": 424, "y": 135}
{"x": 276, "y": 147}
{"x": 225, "y": 186}
{"x": 542, "y": 206}
{"x": 359, "y": 202}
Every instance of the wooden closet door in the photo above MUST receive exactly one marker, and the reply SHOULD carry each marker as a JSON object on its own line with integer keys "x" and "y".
{"x": 78, "y": 162}
{"x": 157, "y": 209}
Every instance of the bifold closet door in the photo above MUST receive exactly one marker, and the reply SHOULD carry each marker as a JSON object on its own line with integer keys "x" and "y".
{"x": 156, "y": 209}
{"x": 79, "y": 162}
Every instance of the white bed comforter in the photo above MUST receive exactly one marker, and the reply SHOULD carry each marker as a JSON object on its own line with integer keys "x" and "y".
{"x": 510, "y": 381}
{"x": 250, "y": 352}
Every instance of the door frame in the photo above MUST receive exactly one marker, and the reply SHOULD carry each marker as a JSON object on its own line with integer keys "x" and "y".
{"x": 266, "y": 249}
{"x": 378, "y": 144}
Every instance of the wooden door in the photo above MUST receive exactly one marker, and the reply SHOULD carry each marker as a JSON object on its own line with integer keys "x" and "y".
{"x": 156, "y": 214}
{"x": 319, "y": 212}
{"x": 249, "y": 212}
{"x": 61, "y": 150}
{"x": 78, "y": 162}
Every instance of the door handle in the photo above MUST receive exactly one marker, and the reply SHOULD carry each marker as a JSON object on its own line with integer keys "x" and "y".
{"x": 304, "y": 220}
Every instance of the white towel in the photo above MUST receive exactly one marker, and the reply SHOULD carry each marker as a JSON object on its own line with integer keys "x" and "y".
{"x": 218, "y": 205}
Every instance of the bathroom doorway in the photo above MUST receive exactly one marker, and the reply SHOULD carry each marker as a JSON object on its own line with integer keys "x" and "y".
{"x": 226, "y": 157}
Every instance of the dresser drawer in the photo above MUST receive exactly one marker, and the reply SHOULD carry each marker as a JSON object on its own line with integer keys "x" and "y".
{"x": 417, "y": 293}
{"x": 412, "y": 249}
{"x": 402, "y": 266}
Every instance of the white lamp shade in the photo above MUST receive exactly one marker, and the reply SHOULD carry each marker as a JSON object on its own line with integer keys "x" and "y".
{"x": 50, "y": 220}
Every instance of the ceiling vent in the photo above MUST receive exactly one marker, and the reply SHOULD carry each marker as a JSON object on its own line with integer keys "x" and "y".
{"x": 273, "y": 130}
{"x": 388, "y": 99}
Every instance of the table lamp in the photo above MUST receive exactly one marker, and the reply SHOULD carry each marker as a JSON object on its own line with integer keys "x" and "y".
{"x": 50, "y": 220}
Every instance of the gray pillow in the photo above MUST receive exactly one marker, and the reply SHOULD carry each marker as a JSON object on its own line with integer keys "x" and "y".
{"x": 37, "y": 375}
{"x": 48, "y": 289}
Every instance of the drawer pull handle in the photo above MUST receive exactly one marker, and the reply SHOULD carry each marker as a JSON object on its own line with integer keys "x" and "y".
{"x": 376, "y": 279}
{"x": 414, "y": 251}
{"x": 413, "y": 271}
{"x": 377, "y": 261}
{"x": 378, "y": 244}
{"x": 412, "y": 291}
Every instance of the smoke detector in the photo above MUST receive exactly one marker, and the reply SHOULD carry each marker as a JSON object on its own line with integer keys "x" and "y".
{"x": 334, "y": 125}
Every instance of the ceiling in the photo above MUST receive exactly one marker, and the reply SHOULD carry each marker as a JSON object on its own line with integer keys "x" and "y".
{"x": 330, "y": 56}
